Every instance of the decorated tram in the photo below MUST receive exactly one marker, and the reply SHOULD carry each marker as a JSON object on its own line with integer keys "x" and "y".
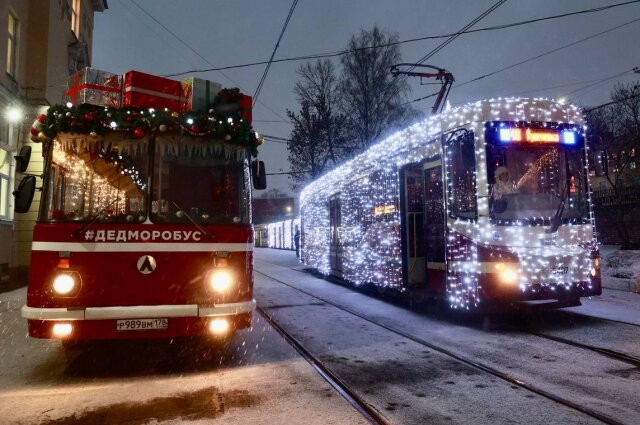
{"x": 483, "y": 206}
{"x": 144, "y": 228}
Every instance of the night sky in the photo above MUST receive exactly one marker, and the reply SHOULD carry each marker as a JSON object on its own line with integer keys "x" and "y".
{"x": 224, "y": 33}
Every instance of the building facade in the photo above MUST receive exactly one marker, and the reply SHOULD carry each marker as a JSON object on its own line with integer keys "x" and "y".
{"x": 43, "y": 43}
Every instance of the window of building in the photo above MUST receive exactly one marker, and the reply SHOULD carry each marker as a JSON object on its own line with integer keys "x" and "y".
{"x": 5, "y": 168}
{"x": 75, "y": 17}
{"x": 12, "y": 45}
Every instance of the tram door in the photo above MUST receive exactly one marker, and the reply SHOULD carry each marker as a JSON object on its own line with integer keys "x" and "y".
{"x": 413, "y": 224}
{"x": 434, "y": 225}
{"x": 335, "y": 242}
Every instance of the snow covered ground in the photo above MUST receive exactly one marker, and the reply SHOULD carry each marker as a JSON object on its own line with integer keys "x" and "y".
{"x": 620, "y": 269}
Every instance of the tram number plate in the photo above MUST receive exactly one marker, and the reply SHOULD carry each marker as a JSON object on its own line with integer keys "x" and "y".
{"x": 141, "y": 324}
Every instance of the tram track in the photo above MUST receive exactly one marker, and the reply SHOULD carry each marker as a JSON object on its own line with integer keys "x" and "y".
{"x": 632, "y": 360}
{"x": 341, "y": 387}
{"x": 463, "y": 359}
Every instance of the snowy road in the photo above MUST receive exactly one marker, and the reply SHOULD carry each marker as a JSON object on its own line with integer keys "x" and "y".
{"x": 412, "y": 384}
{"x": 260, "y": 379}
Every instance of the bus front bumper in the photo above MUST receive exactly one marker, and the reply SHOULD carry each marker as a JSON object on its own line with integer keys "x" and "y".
{"x": 127, "y": 322}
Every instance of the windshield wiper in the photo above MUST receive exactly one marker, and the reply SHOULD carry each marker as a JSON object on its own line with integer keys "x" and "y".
{"x": 557, "y": 217}
{"x": 198, "y": 225}
{"x": 76, "y": 233}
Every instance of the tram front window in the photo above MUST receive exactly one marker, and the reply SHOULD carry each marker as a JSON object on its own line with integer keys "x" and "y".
{"x": 194, "y": 181}
{"x": 95, "y": 181}
{"x": 533, "y": 184}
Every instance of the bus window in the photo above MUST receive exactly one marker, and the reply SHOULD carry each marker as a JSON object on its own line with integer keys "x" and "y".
{"x": 96, "y": 180}
{"x": 206, "y": 185}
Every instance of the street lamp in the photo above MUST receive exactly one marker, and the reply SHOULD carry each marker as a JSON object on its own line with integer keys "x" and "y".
{"x": 14, "y": 114}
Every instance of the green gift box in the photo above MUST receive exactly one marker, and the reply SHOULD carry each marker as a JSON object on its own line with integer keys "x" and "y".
{"x": 198, "y": 93}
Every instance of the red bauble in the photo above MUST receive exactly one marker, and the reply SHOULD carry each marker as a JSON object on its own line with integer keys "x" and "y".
{"x": 195, "y": 129}
{"x": 88, "y": 116}
{"x": 138, "y": 133}
{"x": 42, "y": 118}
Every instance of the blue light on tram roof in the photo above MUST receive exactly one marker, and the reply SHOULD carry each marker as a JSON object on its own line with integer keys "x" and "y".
{"x": 569, "y": 137}
{"x": 505, "y": 134}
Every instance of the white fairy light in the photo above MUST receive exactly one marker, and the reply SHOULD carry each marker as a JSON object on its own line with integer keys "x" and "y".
{"x": 370, "y": 229}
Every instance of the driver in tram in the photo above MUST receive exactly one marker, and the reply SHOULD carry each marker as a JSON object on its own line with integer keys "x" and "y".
{"x": 503, "y": 184}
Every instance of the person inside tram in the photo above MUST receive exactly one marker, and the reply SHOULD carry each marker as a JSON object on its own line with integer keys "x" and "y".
{"x": 503, "y": 184}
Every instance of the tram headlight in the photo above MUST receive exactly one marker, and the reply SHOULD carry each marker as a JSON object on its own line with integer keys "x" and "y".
{"x": 596, "y": 266}
{"x": 220, "y": 280}
{"x": 66, "y": 283}
{"x": 507, "y": 273}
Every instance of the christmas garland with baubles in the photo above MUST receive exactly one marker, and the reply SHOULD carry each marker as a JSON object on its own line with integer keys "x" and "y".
{"x": 223, "y": 121}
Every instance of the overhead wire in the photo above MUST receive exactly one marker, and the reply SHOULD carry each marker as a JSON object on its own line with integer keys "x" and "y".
{"x": 457, "y": 34}
{"x": 410, "y": 40}
{"x": 266, "y": 70}
{"x": 534, "y": 58}
{"x": 547, "y": 53}
{"x": 196, "y": 53}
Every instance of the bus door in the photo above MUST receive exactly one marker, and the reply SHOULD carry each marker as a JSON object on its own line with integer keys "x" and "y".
{"x": 335, "y": 242}
{"x": 413, "y": 220}
{"x": 434, "y": 225}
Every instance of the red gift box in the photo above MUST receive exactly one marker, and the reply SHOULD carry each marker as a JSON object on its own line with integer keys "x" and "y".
{"x": 245, "y": 104}
{"x": 95, "y": 87}
{"x": 150, "y": 91}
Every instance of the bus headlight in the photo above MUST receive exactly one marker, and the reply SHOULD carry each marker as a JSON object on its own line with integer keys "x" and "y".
{"x": 219, "y": 326}
{"x": 65, "y": 283}
{"x": 62, "y": 330}
{"x": 507, "y": 273}
{"x": 220, "y": 280}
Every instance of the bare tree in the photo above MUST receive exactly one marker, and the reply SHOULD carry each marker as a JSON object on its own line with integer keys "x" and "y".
{"x": 372, "y": 100}
{"x": 274, "y": 193}
{"x": 316, "y": 139}
{"x": 616, "y": 128}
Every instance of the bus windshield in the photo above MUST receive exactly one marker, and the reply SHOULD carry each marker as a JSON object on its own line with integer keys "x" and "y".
{"x": 200, "y": 181}
{"x": 536, "y": 184}
{"x": 90, "y": 180}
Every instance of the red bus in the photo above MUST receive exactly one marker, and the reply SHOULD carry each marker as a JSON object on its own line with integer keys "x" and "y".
{"x": 144, "y": 228}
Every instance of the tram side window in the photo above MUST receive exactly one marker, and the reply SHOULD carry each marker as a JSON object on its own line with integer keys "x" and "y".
{"x": 462, "y": 177}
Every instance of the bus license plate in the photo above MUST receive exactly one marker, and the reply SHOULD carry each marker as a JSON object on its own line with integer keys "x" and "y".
{"x": 141, "y": 324}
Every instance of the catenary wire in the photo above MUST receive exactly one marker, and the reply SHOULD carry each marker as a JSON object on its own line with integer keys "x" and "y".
{"x": 410, "y": 40}
{"x": 198, "y": 54}
{"x": 275, "y": 49}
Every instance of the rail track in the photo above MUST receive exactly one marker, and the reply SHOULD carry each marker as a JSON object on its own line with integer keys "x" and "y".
{"x": 443, "y": 350}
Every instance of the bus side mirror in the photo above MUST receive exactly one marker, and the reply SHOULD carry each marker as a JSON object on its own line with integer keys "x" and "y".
{"x": 601, "y": 163}
{"x": 258, "y": 175}
{"x": 22, "y": 159}
{"x": 24, "y": 194}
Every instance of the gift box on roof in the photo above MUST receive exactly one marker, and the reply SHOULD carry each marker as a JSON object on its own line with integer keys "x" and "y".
{"x": 95, "y": 87}
{"x": 198, "y": 93}
{"x": 150, "y": 91}
{"x": 245, "y": 105}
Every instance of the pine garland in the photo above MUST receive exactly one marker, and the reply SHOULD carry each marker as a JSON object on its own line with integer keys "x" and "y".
{"x": 222, "y": 122}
